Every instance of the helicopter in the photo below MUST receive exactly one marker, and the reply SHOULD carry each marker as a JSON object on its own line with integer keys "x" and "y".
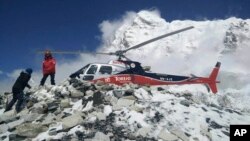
{"x": 123, "y": 70}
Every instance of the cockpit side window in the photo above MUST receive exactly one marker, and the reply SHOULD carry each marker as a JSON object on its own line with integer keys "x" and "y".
{"x": 92, "y": 69}
{"x": 105, "y": 70}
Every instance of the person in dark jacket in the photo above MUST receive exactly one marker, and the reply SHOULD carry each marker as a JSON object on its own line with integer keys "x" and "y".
{"x": 49, "y": 68}
{"x": 17, "y": 90}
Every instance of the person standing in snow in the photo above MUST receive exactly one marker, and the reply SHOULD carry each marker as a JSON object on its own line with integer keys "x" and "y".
{"x": 49, "y": 68}
{"x": 17, "y": 90}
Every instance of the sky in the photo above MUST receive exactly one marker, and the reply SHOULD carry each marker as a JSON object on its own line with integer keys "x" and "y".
{"x": 28, "y": 26}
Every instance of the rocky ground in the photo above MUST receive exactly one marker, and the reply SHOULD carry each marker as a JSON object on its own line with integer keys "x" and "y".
{"x": 78, "y": 110}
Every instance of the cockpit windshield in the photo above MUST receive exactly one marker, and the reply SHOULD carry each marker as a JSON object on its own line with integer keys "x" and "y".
{"x": 82, "y": 70}
{"x": 79, "y": 72}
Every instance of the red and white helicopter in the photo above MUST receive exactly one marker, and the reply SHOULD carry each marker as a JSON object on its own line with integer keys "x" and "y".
{"x": 124, "y": 70}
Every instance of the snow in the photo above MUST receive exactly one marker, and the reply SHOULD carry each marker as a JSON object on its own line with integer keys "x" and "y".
{"x": 107, "y": 110}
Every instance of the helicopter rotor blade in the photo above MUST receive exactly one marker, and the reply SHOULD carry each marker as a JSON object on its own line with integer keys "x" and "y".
{"x": 66, "y": 52}
{"x": 158, "y": 38}
{"x": 104, "y": 53}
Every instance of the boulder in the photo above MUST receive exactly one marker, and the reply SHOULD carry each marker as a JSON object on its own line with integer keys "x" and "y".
{"x": 100, "y": 116}
{"x": 8, "y": 116}
{"x": 98, "y": 98}
{"x": 13, "y": 124}
{"x": 3, "y": 128}
{"x": 204, "y": 131}
{"x": 50, "y": 118}
{"x": 123, "y": 103}
{"x": 31, "y": 117}
{"x": 143, "y": 131}
{"x": 71, "y": 121}
{"x": 180, "y": 134}
{"x": 89, "y": 93}
{"x": 167, "y": 136}
{"x": 65, "y": 103}
{"x": 76, "y": 94}
{"x": 30, "y": 129}
{"x": 99, "y": 136}
{"x": 118, "y": 93}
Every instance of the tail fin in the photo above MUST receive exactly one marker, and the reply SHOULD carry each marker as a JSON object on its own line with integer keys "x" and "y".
{"x": 212, "y": 78}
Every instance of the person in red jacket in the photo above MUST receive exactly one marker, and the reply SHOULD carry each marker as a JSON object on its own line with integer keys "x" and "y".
{"x": 49, "y": 68}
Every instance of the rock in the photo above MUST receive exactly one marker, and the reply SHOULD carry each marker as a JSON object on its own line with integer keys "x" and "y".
{"x": 89, "y": 93}
{"x": 3, "y": 137}
{"x": 99, "y": 136}
{"x": 128, "y": 92}
{"x": 23, "y": 112}
{"x": 167, "y": 136}
{"x": 146, "y": 88}
{"x": 113, "y": 100}
{"x": 12, "y": 137}
{"x": 8, "y": 117}
{"x": 226, "y": 133}
{"x": 101, "y": 116}
{"x": 52, "y": 106}
{"x": 136, "y": 108}
{"x": 185, "y": 103}
{"x": 143, "y": 131}
{"x": 3, "y": 128}
{"x": 107, "y": 88}
{"x": 76, "y": 94}
{"x": 123, "y": 103}
{"x": 39, "y": 108}
{"x": 71, "y": 121}
{"x": 188, "y": 96}
{"x": 29, "y": 104}
{"x": 158, "y": 116}
{"x": 88, "y": 106}
{"x": 204, "y": 131}
{"x": 13, "y": 124}
{"x": 50, "y": 118}
{"x": 142, "y": 94}
{"x": 216, "y": 106}
{"x": 30, "y": 129}
{"x": 215, "y": 125}
{"x": 207, "y": 120}
{"x": 118, "y": 93}
{"x": 79, "y": 134}
{"x": 160, "y": 89}
{"x": 100, "y": 83}
{"x": 98, "y": 98}
{"x": 131, "y": 97}
{"x": 52, "y": 132}
{"x": 204, "y": 109}
{"x": 180, "y": 134}
{"x": 65, "y": 103}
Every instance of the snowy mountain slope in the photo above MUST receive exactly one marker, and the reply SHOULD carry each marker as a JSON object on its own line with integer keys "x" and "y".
{"x": 77, "y": 110}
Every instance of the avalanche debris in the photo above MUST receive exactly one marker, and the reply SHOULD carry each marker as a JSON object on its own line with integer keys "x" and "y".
{"x": 135, "y": 113}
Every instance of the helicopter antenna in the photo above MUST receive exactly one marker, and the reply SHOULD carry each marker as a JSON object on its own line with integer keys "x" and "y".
{"x": 120, "y": 53}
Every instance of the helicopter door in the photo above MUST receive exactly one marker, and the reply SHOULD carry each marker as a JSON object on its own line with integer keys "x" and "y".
{"x": 90, "y": 74}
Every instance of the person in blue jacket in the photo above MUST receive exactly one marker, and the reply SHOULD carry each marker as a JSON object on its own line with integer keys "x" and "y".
{"x": 17, "y": 90}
